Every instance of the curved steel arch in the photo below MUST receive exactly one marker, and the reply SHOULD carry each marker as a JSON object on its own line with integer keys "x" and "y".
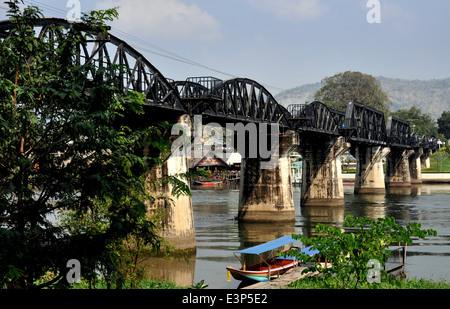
{"x": 101, "y": 51}
{"x": 246, "y": 99}
{"x": 197, "y": 87}
{"x": 315, "y": 116}
{"x": 239, "y": 99}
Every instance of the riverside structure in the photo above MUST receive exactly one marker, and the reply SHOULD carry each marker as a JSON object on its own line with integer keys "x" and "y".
{"x": 319, "y": 133}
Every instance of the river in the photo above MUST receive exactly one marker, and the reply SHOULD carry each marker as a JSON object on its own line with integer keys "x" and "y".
{"x": 218, "y": 234}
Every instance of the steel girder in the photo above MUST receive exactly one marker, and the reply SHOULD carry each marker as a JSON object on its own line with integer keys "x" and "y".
{"x": 315, "y": 117}
{"x": 101, "y": 51}
{"x": 398, "y": 133}
{"x": 365, "y": 124}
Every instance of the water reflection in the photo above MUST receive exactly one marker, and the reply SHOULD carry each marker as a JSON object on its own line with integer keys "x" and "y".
{"x": 218, "y": 234}
{"x": 372, "y": 206}
{"x": 252, "y": 234}
{"x": 179, "y": 271}
{"x": 312, "y": 215}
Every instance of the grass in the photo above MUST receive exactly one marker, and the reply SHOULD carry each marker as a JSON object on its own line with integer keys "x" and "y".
{"x": 143, "y": 284}
{"x": 408, "y": 284}
{"x": 434, "y": 166}
{"x": 405, "y": 284}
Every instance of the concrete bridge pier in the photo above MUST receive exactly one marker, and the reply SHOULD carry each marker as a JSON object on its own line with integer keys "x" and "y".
{"x": 369, "y": 176}
{"x": 415, "y": 166}
{"x": 322, "y": 176}
{"x": 425, "y": 159}
{"x": 397, "y": 168}
{"x": 175, "y": 214}
{"x": 266, "y": 194}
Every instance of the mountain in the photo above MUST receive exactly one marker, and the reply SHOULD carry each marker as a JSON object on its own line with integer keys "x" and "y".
{"x": 431, "y": 96}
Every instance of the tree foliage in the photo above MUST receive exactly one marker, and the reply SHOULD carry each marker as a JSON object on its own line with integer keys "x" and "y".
{"x": 66, "y": 147}
{"x": 338, "y": 90}
{"x": 444, "y": 124}
{"x": 420, "y": 122}
{"x": 352, "y": 252}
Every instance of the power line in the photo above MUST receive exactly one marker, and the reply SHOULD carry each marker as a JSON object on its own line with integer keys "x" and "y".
{"x": 165, "y": 53}
{"x": 150, "y": 48}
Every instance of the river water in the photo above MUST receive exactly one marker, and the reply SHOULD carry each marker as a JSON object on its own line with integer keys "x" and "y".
{"x": 218, "y": 234}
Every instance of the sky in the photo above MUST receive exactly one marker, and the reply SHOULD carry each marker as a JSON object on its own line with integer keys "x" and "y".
{"x": 281, "y": 44}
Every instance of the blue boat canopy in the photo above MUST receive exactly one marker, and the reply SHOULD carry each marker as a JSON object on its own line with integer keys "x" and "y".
{"x": 282, "y": 241}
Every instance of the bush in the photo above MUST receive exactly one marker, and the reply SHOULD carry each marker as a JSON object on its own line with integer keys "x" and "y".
{"x": 355, "y": 256}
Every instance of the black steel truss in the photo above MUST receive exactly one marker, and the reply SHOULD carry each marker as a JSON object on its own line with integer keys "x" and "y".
{"x": 238, "y": 99}
{"x": 100, "y": 51}
{"x": 365, "y": 124}
{"x": 398, "y": 132}
{"x": 316, "y": 117}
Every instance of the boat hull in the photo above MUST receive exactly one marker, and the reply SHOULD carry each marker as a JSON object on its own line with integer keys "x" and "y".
{"x": 209, "y": 183}
{"x": 262, "y": 274}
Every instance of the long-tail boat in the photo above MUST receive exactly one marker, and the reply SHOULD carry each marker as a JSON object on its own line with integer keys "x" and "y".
{"x": 270, "y": 267}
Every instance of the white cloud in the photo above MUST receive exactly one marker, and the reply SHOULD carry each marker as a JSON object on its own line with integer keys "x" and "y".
{"x": 171, "y": 19}
{"x": 294, "y": 10}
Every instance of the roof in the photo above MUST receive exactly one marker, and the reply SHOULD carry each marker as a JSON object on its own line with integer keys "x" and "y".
{"x": 234, "y": 158}
{"x": 282, "y": 241}
{"x": 208, "y": 160}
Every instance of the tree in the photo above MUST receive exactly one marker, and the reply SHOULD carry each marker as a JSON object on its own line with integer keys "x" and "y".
{"x": 65, "y": 146}
{"x": 444, "y": 124}
{"x": 338, "y": 90}
{"x": 352, "y": 253}
{"x": 421, "y": 123}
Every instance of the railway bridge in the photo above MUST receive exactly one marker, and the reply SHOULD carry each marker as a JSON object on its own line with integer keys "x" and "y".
{"x": 320, "y": 134}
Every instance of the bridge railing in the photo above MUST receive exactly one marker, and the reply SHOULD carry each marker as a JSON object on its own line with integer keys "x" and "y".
{"x": 199, "y": 87}
{"x": 315, "y": 116}
{"x": 296, "y": 110}
{"x": 419, "y": 142}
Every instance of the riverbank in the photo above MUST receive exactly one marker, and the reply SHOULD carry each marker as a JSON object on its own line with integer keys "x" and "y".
{"x": 296, "y": 274}
{"x": 291, "y": 280}
{"x": 426, "y": 178}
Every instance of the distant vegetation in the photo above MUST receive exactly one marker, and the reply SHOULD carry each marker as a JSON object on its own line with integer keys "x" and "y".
{"x": 341, "y": 88}
{"x": 431, "y": 96}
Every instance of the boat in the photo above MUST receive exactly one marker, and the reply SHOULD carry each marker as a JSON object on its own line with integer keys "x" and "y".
{"x": 267, "y": 268}
{"x": 209, "y": 183}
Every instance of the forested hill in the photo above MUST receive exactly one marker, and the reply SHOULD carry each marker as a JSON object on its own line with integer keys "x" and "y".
{"x": 431, "y": 96}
